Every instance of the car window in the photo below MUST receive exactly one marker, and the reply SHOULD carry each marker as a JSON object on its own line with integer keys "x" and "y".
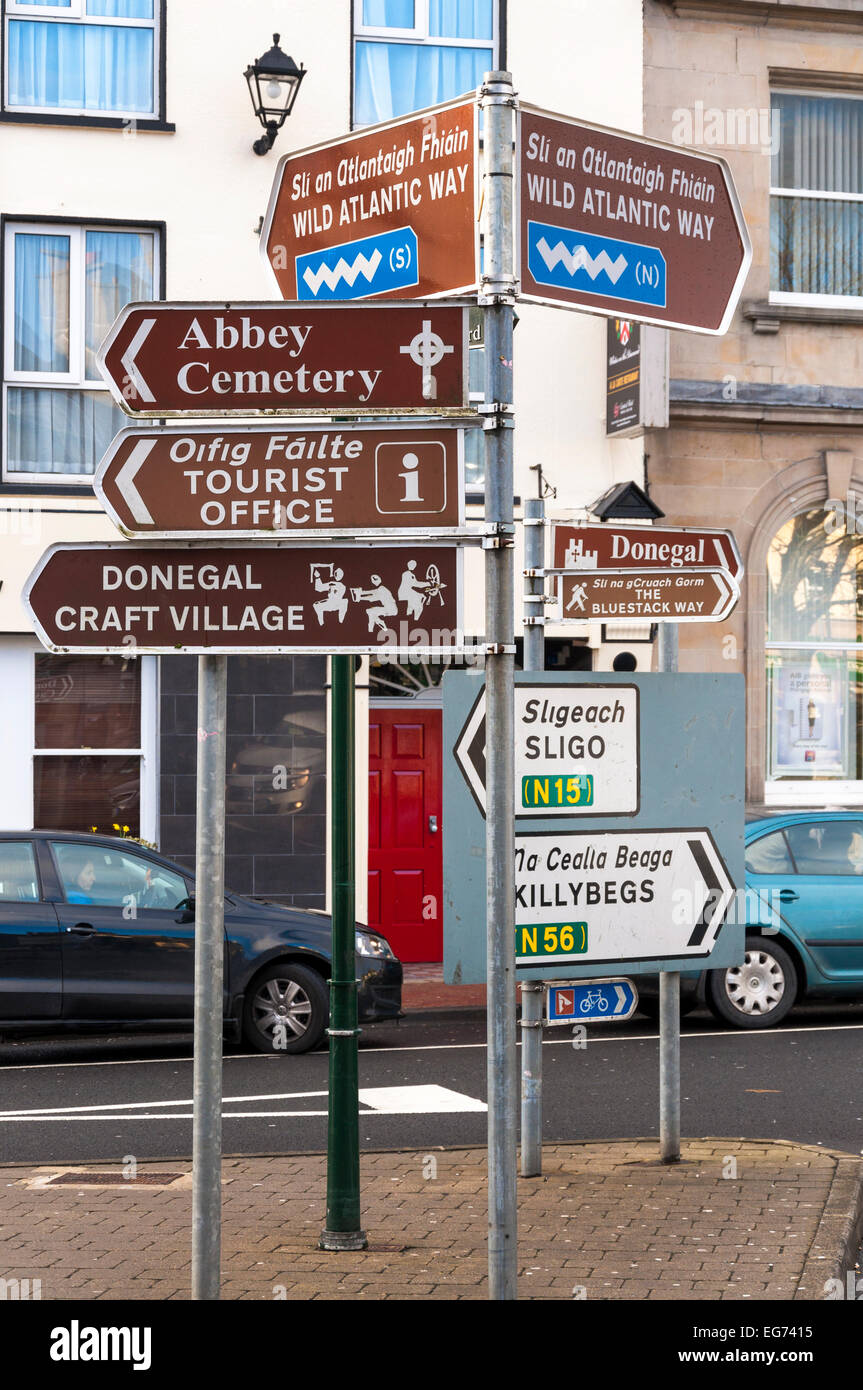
{"x": 769, "y": 855}
{"x": 111, "y": 878}
{"x": 18, "y": 881}
{"x": 827, "y": 847}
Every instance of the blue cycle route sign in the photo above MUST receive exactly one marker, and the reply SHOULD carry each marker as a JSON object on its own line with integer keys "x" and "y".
{"x": 601, "y": 265}
{"x": 357, "y": 269}
{"x": 591, "y": 1001}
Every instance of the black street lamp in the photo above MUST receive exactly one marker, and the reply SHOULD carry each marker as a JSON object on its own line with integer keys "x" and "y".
{"x": 274, "y": 81}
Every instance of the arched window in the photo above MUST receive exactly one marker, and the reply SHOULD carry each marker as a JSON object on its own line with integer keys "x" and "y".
{"x": 815, "y": 660}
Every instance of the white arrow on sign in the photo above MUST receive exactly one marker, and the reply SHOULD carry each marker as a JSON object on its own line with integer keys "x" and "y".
{"x": 621, "y": 999}
{"x": 129, "y": 356}
{"x": 470, "y": 750}
{"x": 126, "y": 481}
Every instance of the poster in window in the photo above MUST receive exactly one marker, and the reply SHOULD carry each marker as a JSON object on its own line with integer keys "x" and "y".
{"x": 808, "y": 720}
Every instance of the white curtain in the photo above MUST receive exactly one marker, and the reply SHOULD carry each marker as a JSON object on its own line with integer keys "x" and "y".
{"x": 817, "y": 243}
{"x": 84, "y": 67}
{"x": 395, "y": 78}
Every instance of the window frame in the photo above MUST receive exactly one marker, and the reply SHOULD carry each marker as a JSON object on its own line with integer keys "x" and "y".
{"x": 76, "y": 228}
{"x": 131, "y": 121}
{"x": 419, "y": 35}
{"x": 147, "y": 750}
{"x": 800, "y": 297}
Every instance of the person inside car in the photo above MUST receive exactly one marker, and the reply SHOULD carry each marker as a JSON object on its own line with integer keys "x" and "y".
{"x": 82, "y": 893}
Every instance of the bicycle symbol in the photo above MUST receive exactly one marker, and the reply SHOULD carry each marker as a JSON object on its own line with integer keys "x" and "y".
{"x": 594, "y": 1000}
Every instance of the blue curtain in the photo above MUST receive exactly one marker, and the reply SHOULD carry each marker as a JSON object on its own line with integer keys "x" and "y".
{"x": 461, "y": 19}
{"x": 41, "y": 303}
{"x": 394, "y": 78}
{"x": 118, "y": 271}
{"x": 49, "y": 430}
{"x": 90, "y": 67}
{"x": 389, "y": 14}
{"x": 121, "y": 9}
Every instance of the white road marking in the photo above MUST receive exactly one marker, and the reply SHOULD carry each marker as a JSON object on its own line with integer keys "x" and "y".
{"x": 381, "y": 1100}
{"x": 437, "y": 1047}
{"x": 418, "y": 1100}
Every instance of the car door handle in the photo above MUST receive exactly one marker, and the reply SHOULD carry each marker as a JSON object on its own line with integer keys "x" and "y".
{"x": 82, "y": 929}
{"x": 787, "y": 895}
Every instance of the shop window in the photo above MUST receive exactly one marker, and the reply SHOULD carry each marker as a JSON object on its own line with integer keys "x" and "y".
{"x": 816, "y": 200}
{"x": 815, "y": 658}
{"x": 91, "y": 742}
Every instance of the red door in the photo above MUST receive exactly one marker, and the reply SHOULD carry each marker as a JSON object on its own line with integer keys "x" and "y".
{"x": 405, "y": 862}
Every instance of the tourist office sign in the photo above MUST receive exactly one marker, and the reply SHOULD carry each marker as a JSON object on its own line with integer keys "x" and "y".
{"x": 643, "y": 548}
{"x": 224, "y": 597}
{"x": 276, "y": 358}
{"x": 388, "y": 210}
{"x": 660, "y": 596}
{"x": 256, "y": 480}
{"x": 615, "y": 224}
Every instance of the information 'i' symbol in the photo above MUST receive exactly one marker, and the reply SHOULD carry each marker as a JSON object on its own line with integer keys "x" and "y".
{"x": 427, "y": 349}
{"x": 410, "y": 477}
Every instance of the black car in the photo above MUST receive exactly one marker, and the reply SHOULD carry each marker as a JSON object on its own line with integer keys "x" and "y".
{"x": 98, "y": 932}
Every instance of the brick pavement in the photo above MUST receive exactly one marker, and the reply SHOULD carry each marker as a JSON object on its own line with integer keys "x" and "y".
{"x": 737, "y": 1219}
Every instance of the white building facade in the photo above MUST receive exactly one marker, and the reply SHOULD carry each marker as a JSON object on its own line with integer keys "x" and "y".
{"x": 127, "y": 173}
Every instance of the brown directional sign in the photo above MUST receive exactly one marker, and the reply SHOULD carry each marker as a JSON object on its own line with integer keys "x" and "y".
{"x": 386, "y": 211}
{"x": 254, "y": 359}
{"x": 619, "y": 225}
{"x": 667, "y": 596}
{"x": 256, "y": 480}
{"x": 253, "y": 598}
{"x": 644, "y": 548}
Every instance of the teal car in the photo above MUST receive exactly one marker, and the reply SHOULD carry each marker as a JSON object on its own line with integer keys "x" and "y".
{"x": 803, "y": 909}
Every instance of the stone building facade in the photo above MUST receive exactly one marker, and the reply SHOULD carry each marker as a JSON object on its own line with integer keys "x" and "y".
{"x": 765, "y": 422}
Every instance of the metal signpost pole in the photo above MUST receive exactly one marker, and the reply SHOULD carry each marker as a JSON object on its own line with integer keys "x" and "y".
{"x": 669, "y": 991}
{"x": 531, "y": 990}
{"x": 498, "y": 285}
{"x": 209, "y": 969}
{"x": 343, "y": 1231}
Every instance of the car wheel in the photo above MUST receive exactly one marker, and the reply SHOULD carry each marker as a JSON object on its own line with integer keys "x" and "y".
{"x": 757, "y": 993}
{"x": 286, "y": 1009}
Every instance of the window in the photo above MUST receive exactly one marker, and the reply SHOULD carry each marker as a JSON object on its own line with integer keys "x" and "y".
{"x": 815, "y": 659}
{"x": 18, "y": 881}
{"x": 827, "y": 847}
{"x": 414, "y": 53}
{"x": 816, "y": 200}
{"x": 769, "y": 855}
{"x": 111, "y": 878}
{"x": 65, "y": 286}
{"x": 91, "y": 741}
{"x": 82, "y": 57}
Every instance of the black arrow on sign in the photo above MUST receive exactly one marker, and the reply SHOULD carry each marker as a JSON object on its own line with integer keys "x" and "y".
{"x": 714, "y": 893}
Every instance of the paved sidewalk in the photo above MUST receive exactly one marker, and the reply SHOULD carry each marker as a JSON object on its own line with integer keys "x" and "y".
{"x": 736, "y": 1219}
